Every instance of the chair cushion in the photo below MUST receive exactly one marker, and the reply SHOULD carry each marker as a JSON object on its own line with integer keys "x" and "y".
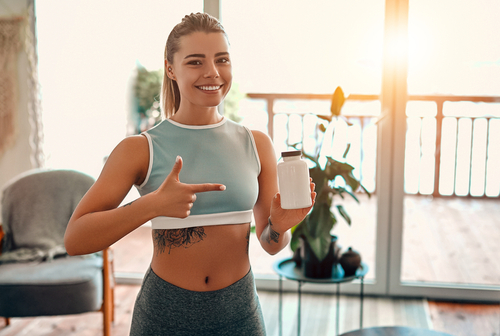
{"x": 37, "y": 205}
{"x": 62, "y": 286}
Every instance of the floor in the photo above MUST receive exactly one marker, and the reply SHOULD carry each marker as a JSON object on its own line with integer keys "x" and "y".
{"x": 318, "y": 316}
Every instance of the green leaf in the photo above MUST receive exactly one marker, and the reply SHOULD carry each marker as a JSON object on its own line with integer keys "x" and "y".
{"x": 366, "y": 191}
{"x": 321, "y": 221}
{"x": 319, "y": 177}
{"x": 310, "y": 157}
{"x": 331, "y": 171}
{"x": 313, "y": 221}
{"x": 352, "y": 195}
{"x": 340, "y": 166}
{"x": 351, "y": 181}
{"x": 334, "y": 168}
{"x": 344, "y": 214}
{"x": 297, "y": 231}
{"x": 320, "y": 246}
{"x": 340, "y": 192}
{"x": 321, "y": 243}
{"x": 338, "y": 100}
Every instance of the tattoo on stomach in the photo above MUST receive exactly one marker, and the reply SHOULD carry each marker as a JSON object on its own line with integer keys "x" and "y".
{"x": 173, "y": 238}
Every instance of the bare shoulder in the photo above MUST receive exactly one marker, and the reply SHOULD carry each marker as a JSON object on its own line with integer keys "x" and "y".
{"x": 135, "y": 143}
{"x": 265, "y": 150}
{"x": 262, "y": 141}
{"x": 130, "y": 157}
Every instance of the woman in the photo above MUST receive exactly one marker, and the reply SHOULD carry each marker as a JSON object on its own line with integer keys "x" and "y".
{"x": 201, "y": 177}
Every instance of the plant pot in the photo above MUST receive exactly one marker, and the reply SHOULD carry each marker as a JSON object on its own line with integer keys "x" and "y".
{"x": 310, "y": 264}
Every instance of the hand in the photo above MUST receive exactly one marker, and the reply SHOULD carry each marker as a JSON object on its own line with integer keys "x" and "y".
{"x": 285, "y": 219}
{"x": 174, "y": 198}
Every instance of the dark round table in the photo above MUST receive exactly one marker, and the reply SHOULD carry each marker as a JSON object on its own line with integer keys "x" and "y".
{"x": 288, "y": 269}
{"x": 394, "y": 331}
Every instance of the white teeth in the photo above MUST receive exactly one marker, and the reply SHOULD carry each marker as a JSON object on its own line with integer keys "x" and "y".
{"x": 210, "y": 88}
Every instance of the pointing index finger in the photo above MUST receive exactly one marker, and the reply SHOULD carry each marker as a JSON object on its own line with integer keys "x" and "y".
{"x": 197, "y": 188}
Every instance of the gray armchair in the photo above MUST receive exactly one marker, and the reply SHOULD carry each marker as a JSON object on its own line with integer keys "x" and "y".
{"x": 37, "y": 277}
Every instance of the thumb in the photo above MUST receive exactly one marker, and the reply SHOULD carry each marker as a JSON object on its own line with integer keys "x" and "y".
{"x": 176, "y": 169}
{"x": 276, "y": 203}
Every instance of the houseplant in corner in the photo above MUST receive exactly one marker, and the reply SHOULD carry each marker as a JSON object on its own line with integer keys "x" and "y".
{"x": 312, "y": 237}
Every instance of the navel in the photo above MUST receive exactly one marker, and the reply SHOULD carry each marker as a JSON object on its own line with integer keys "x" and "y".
{"x": 206, "y": 280}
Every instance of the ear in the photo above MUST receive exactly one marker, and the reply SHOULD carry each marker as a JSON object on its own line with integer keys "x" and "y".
{"x": 169, "y": 70}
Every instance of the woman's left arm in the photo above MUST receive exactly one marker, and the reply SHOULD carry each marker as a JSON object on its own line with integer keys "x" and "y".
{"x": 272, "y": 223}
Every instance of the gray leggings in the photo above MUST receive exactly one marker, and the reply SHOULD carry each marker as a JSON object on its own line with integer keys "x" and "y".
{"x": 165, "y": 309}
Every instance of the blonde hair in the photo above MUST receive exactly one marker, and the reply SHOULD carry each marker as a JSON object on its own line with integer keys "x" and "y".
{"x": 170, "y": 97}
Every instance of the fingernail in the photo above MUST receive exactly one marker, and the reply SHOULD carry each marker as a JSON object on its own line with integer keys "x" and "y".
{"x": 222, "y": 187}
{"x": 177, "y": 159}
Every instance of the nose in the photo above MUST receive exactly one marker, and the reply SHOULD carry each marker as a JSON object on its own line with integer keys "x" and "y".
{"x": 211, "y": 71}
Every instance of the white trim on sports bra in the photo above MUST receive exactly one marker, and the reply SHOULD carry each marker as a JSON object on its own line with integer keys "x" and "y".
{"x": 150, "y": 166}
{"x": 197, "y": 126}
{"x": 234, "y": 217}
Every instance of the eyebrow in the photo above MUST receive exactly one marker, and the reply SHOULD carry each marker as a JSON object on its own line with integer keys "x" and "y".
{"x": 203, "y": 55}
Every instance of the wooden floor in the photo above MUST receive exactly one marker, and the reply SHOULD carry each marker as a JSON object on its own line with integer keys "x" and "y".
{"x": 452, "y": 240}
{"x": 318, "y": 316}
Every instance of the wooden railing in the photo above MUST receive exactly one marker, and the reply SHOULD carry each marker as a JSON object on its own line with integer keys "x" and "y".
{"x": 439, "y": 116}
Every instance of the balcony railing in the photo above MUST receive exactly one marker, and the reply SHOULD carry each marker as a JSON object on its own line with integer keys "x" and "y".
{"x": 452, "y": 142}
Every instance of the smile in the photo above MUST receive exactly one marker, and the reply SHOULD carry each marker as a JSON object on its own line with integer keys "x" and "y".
{"x": 210, "y": 87}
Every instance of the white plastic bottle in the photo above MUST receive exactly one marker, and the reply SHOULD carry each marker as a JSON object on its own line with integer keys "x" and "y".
{"x": 293, "y": 181}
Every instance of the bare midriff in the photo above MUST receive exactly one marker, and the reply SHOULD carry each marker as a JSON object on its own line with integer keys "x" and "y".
{"x": 217, "y": 260}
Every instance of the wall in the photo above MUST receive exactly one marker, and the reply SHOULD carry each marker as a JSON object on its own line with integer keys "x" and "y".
{"x": 17, "y": 157}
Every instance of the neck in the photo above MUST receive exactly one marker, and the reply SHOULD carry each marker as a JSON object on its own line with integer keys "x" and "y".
{"x": 203, "y": 116}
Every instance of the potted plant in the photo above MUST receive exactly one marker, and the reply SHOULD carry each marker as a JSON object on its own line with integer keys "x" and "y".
{"x": 312, "y": 242}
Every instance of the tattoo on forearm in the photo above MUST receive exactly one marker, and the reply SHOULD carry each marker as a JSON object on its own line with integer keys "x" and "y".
{"x": 173, "y": 238}
{"x": 272, "y": 235}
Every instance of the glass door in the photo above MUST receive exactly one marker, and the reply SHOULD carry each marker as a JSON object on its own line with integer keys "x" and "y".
{"x": 445, "y": 226}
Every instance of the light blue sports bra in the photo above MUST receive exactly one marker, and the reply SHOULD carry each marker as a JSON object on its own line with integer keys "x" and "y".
{"x": 219, "y": 153}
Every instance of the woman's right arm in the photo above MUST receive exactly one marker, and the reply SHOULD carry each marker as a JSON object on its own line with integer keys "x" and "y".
{"x": 97, "y": 223}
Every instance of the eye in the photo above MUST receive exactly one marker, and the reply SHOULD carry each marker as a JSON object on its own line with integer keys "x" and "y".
{"x": 223, "y": 60}
{"x": 195, "y": 62}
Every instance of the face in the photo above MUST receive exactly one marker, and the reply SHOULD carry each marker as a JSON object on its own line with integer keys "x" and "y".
{"x": 202, "y": 69}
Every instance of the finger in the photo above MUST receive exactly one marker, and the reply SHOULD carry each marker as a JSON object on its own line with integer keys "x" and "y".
{"x": 276, "y": 200}
{"x": 197, "y": 188}
{"x": 176, "y": 169}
